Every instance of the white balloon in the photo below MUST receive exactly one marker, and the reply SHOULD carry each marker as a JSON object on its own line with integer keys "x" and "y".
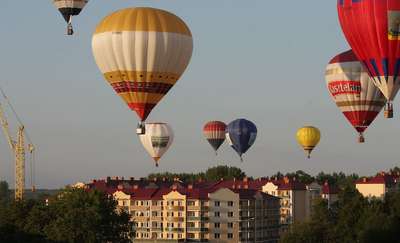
{"x": 157, "y": 139}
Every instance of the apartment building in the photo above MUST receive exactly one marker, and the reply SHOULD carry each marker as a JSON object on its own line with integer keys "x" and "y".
{"x": 378, "y": 185}
{"x": 166, "y": 211}
{"x": 293, "y": 196}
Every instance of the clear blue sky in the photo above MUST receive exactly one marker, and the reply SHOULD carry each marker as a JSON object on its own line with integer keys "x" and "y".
{"x": 262, "y": 60}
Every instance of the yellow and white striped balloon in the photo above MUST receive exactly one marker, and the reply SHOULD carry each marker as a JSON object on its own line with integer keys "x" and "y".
{"x": 142, "y": 52}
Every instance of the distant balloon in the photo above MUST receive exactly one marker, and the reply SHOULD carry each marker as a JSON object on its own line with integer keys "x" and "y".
{"x": 157, "y": 139}
{"x": 142, "y": 53}
{"x": 241, "y": 135}
{"x": 371, "y": 27}
{"x": 353, "y": 91}
{"x": 214, "y": 132}
{"x": 308, "y": 137}
{"x": 69, "y": 8}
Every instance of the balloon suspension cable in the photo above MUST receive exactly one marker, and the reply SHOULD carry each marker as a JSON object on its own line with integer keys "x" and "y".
{"x": 361, "y": 138}
{"x": 388, "y": 112}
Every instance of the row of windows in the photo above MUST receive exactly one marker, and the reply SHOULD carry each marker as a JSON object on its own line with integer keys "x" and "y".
{"x": 218, "y": 214}
{"x": 218, "y": 225}
{"x": 218, "y": 203}
{"x": 218, "y": 236}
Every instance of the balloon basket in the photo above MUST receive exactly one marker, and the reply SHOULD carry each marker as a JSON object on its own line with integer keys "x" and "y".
{"x": 140, "y": 129}
{"x": 388, "y": 112}
{"x": 361, "y": 138}
{"x": 70, "y": 30}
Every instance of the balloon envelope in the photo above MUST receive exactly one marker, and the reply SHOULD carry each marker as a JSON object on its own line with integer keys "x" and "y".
{"x": 142, "y": 52}
{"x": 241, "y": 134}
{"x": 157, "y": 139}
{"x": 353, "y": 91}
{"x": 69, "y": 8}
{"x": 308, "y": 137}
{"x": 371, "y": 27}
{"x": 214, "y": 132}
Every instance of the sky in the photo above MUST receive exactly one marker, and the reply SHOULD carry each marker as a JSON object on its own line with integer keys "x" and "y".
{"x": 259, "y": 60}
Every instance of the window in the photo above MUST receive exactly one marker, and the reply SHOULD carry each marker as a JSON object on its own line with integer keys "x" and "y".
{"x": 230, "y": 225}
{"x": 191, "y": 203}
{"x": 216, "y": 236}
{"x": 217, "y": 225}
{"x": 190, "y": 214}
{"x": 230, "y": 214}
{"x": 230, "y": 204}
{"x": 217, "y": 203}
{"x": 216, "y": 214}
{"x": 230, "y": 236}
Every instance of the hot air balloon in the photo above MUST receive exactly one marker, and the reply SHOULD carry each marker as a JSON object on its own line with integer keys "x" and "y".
{"x": 241, "y": 134}
{"x": 157, "y": 139}
{"x": 142, "y": 52}
{"x": 353, "y": 91}
{"x": 214, "y": 131}
{"x": 371, "y": 28}
{"x": 308, "y": 137}
{"x": 69, "y": 8}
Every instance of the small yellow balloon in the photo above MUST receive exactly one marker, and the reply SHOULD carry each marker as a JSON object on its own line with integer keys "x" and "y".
{"x": 308, "y": 137}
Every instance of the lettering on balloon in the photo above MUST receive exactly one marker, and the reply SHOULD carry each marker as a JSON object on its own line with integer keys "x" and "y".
{"x": 159, "y": 142}
{"x": 345, "y": 87}
{"x": 394, "y": 25}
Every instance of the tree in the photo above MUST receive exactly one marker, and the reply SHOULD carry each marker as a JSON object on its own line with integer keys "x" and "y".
{"x": 4, "y": 191}
{"x": 224, "y": 172}
{"x": 74, "y": 215}
{"x": 86, "y": 216}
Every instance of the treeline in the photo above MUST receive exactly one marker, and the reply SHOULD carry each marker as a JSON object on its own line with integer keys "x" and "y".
{"x": 74, "y": 215}
{"x": 339, "y": 179}
{"x": 211, "y": 174}
{"x": 352, "y": 218}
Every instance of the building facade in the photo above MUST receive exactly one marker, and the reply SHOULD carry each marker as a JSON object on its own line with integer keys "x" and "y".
{"x": 200, "y": 212}
{"x": 378, "y": 186}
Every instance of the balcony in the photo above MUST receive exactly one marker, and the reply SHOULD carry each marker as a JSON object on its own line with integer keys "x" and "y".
{"x": 175, "y": 208}
{"x": 177, "y": 230}
{"x": 194, "y": 229}
{"x": 194, "y": 218}
{"x": 175, "y": 219}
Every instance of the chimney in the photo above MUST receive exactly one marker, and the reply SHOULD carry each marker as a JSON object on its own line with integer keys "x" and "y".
{"x": 245, "y": 179}
{"x": 382, "y": 173}
{"x": 120, "y": 187}
{"x": 94, "y": 181}
{"x": 276, "y": 178}
{"x": 234, "y": 179}
{"x": 135, "y": 187}
{"x": 286, "y": 180}
{"x": 142, "y": 178}
{"x": 108, "y": 179}
{"x": 122, "y": 178}
{"x": 132, "y": 178}
{"x": 155, "y": 179}
{"x": 294, "y": 178}
{"x": 364, "y": 179}
{"x": 190, "y": 186}
{"x": 164, "y": 179}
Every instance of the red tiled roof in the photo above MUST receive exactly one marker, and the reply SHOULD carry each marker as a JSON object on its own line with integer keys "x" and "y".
{"x": 328, "y": 189}
{"x": 379, "y": 179}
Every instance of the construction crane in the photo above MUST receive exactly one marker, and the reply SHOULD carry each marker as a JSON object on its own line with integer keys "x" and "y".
{"x": 18, "y": 150}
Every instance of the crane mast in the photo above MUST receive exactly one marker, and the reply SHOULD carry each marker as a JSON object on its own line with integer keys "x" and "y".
{"x": 18, "y": 150}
